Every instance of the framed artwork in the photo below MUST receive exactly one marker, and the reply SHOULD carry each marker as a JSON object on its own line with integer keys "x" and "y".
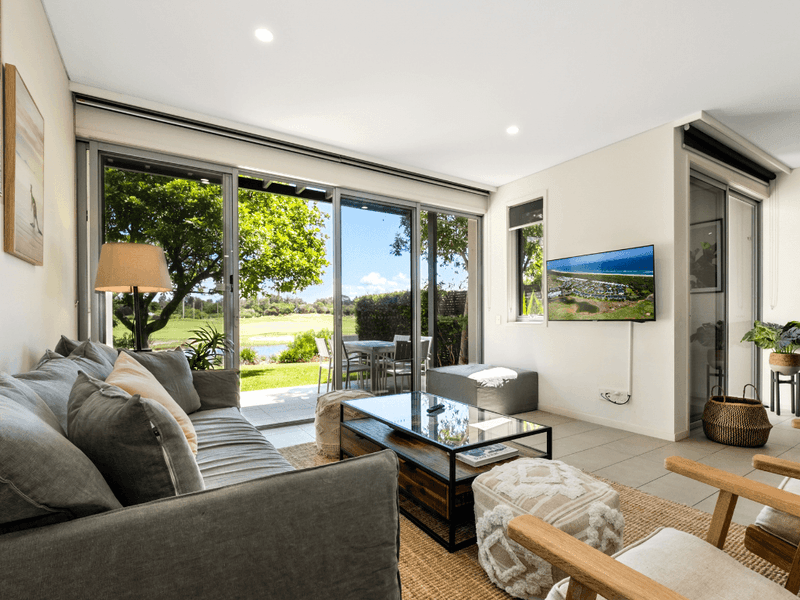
{"x": 705, "y": 257}
{"x": 24, "y": 171}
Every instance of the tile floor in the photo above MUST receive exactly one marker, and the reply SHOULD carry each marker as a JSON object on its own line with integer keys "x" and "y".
{"x": 286, "y": 418}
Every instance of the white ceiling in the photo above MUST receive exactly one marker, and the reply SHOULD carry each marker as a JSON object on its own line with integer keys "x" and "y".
{"x": 433, "y": 84}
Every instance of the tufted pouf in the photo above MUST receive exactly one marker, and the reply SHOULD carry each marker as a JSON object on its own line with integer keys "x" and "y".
{"x": 555, "y": 492}
{"x": 326, "y": 419}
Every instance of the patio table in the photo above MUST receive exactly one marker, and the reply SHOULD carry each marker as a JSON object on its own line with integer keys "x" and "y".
{"x": 374, "y": 349}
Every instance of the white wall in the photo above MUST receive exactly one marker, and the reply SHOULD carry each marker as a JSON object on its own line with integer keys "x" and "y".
{"x": 38, "y": 303}
{"x": 617, "y": 197}
{"x": 780, "y": 259}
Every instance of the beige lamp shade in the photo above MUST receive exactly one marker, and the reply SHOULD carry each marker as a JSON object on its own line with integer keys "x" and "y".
{"x": 124, "y": 266}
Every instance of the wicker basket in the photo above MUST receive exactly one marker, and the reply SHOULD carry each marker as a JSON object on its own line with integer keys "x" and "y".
{"x": 736, "y": 421}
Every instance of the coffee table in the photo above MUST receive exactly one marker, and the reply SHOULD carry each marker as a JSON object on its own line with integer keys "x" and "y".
{"x": 431, "y": 476}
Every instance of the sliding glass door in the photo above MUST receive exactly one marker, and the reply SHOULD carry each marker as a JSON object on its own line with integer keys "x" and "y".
{"x": 723, "y": 283}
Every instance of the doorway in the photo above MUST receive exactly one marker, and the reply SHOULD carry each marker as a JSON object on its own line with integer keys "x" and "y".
{"x": 724, "y": 291}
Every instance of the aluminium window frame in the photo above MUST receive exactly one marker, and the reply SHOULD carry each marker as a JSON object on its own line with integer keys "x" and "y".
{"x": 514, "y": 304}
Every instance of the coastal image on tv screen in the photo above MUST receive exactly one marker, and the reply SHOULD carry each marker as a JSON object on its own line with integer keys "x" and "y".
{"x": 612, "y": 286}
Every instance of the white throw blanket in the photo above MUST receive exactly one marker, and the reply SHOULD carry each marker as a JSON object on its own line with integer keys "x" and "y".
{"x": 494, "y": 377}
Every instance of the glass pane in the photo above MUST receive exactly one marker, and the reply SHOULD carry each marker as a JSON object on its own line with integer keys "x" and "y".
{"x": 145, "y": 203}
{"x": 741, "y": 297}
{"x": 707, "y": 350}
{"x": 449, "y": 287}
{"x": 530, "y": 252}
{"x": 285, "y": 270}
{"x": 376, "y": 280}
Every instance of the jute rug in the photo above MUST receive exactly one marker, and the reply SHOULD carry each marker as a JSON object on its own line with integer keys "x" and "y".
{"x": 429, "y": 572}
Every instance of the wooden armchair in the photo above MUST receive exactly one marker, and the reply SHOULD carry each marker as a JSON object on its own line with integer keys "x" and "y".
{"x": 668, "y": 564}
{"x": 772, "y": 535}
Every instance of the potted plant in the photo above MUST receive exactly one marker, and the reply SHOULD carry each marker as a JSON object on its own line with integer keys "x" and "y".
{"x": 783, "y": 341}
{"x": 712, "y": 336}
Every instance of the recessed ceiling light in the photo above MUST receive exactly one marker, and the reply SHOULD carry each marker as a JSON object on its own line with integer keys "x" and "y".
{"x": 513, "y": 130}
{"x": 265, "y": 35}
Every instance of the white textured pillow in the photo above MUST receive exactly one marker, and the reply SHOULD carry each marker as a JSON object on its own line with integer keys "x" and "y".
{"x": 134, "y": 378}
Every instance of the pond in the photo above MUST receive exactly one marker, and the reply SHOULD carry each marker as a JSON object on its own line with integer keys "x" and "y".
{"x": 267, "y": 351}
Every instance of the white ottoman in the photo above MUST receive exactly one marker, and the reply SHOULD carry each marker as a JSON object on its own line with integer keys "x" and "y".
{"x": 326, "y": 419}
{"x": 555, "y": 492}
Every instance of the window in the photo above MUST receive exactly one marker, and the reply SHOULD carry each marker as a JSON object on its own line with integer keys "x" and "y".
{"x": 526, "y": 221}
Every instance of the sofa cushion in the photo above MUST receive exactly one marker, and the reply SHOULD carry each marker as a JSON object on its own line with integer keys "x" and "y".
{"x": 217, "y": 388}
{"x": 134, "y": 442}
{"x": 66, "y": 346}
{"x": 691, "y": 567}
{"x": 171, "y": 369}
{"x": 230, "y": 450}
{"x": 132, "y": 377}
{"x": 53, "y": 377}
{"x": 41, "y": 473}
{"x": 96, "y": 352}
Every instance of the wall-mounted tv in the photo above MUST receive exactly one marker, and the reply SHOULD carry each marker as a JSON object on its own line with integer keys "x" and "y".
{"x": 618, "y": 285}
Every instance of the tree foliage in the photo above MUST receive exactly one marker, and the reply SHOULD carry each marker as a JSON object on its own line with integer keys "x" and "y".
{"x": 281, "y": 243}
{"x": 452, "y": 241}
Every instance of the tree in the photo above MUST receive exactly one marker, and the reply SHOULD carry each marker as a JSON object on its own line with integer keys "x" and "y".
{"x": 281, "y": 243}
{"x": 452, "y": 248}
{"x": 532, "y": 266}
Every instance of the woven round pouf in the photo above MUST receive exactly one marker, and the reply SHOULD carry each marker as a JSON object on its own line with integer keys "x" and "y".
{"x": 326, "y": 419}
{"x": 558, "y": 494}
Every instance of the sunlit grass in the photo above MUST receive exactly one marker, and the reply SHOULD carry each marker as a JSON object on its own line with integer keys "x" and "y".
{"x": 267, "y": 376}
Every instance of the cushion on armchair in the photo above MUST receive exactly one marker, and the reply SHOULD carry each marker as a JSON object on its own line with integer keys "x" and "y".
{"x": 134, "y": 442}
{"x": 42, "y": 475}
{"x": 691, "y": 567}
{"x": 779, "y": 523}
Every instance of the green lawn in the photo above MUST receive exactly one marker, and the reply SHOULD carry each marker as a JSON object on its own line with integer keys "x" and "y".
{"x": 256, "y": 331}
{"x": 277, "y": 375}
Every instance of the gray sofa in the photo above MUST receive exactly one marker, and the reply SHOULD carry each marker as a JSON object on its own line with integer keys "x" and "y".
{"x": 259, "y": 529}
{"x": 504, "y": 390}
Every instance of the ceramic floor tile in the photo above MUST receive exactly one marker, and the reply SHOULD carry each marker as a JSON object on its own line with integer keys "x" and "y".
{"x": 288, "y": 436}
{"x": 685, "y": 449}
{"x": 784, "y": 436}
{"x": 606, "y": 435}
{"x": 792, "y": 454}
{"x": 678, "y": 489}
{"x": 633, "y": 472}
{"x": 543, "y": 418}
{"x": 595, "y": 458}
{"x": 562, "y": 430}
{"x": 747, "y": 454}
{"x": 732, "y": 463}
{"x": 637, "y": 444}
{"x": 765, "y": 477}
{"x": 571, "y": 445}
{"x": 745, "y": 513}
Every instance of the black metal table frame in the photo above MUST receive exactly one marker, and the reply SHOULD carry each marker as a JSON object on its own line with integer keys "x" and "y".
{"x": 448, "y": 543}
{"x": 775, "y": 391}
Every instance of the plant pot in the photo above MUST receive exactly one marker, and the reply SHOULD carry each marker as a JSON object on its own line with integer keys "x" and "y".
{"x": 785, "y": 364}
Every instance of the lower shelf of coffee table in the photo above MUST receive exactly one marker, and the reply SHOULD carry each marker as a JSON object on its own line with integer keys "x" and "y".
{"x": 424, "y": 468}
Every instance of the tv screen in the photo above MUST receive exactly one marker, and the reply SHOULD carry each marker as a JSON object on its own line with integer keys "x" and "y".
{"x": 607, "y": 286}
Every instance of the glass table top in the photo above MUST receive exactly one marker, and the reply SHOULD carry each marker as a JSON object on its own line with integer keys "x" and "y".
{"x": 458, "y": 425}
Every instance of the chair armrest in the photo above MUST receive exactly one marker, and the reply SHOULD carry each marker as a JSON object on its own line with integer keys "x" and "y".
{"x": 779, "y": 466}
{"x": 333, "y": 528}
{"x": 586, "y": 565}
{"x": 218, "y": 388}
{"x": 735, "y": 484}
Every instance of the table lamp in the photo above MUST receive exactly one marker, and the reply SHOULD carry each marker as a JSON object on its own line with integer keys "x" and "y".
{"x": 128, "y": 268}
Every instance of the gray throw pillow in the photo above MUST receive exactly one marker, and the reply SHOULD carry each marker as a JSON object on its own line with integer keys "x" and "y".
{"x": 96, "y": 352}
{"x": 66, "y": 346}
{"x": 41, "y": 473}
{"x": 171, "y": 369}
{"x": 133, "y": 441}
{"x": 53, "y": 377}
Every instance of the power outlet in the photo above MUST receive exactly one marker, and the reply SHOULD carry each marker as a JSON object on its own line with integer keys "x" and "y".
{"x": 615, "y": 396}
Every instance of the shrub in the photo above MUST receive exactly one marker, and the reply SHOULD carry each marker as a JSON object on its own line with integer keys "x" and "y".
{"x": 249, "y": 356}
{"x": 247, "y": 313}
{"x": 303, "y": 348}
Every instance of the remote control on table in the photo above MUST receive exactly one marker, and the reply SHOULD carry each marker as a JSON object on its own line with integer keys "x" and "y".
{"x": 436, "y": 408}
